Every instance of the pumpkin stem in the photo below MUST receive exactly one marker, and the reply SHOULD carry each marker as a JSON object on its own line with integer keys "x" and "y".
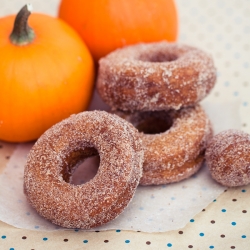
{"x": 22, "y": 34}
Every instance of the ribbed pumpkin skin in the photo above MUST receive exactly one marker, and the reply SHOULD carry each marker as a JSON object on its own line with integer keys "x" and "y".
{"x": 43, "y": 82}
{"x": 106, "y": 25}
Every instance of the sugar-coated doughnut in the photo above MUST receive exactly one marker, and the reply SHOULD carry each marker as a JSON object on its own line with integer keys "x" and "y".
{"x": 174, "y": 142}
{"x": 155, "y": 76}
{"x": 228, "y": 158}
{"x": 56, "y": 154}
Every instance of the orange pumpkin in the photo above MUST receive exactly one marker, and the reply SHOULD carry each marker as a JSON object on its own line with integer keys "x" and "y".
{"x": 46, "y": 71}
{"x": 107, "y": 25}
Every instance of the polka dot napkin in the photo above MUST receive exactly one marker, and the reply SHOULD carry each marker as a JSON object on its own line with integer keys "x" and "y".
{"x": 153, "y": 208}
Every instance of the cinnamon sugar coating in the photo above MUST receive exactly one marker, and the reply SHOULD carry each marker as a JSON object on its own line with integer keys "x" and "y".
{"x": 228, "y": 158}
{"x": 55, "y": 156}
{"x": 174, "y": 142}
{"x": 155, "y": 76}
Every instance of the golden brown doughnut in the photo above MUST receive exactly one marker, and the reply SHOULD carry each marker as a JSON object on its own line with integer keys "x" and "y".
{"x": 228, "y": 158}
{"x": 174, "y": 142}
{"x": 55, "y": 155}
{"x": 155, "y": 76}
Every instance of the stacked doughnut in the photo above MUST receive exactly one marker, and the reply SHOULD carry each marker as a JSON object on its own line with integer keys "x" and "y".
{"x": 157, "y": 87}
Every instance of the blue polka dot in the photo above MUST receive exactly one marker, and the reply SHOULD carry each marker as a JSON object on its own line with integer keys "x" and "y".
{"x": 76, "y": 230}
{"x": 243, "y": 190}
{"x": 193, "y": 12}
{"x": 210, "y": 28}
{"x": 192, "y": 220}
{"x": 36, "y": 227}
{"x": 223, "y": 210}
{"x": 219, "y": 37}
{"x": 127, "y": 241}
{"x": 28, "y": 213}
{"x": 183, "y": 37}
{"x": 169, "y": 245}
{"x": 202, "y": 19}
{"x": 247, "y": 29}
{"x": 141, "y": 208}
{"x": 12, "y": 248}
{"x": 201, "y": 234}
{"x": 228, "y": 46}
{"x": 214, "y": 200}
{"x": 233, "y": 223}
{"x": 85, "y": 241}
{"x": 227, "y": 84}
{"x": 236, "y": 93}
{"x": 237, "y": 55}
{"x": 118, "y": 230}
{"x": 243, "y": 236}
{"x": 211, "y": 247}
{"x": 229, "y": 11}
{"x": 172, "y": 198}
{"x": 246, "y": 65}
{"x": 238, "y": 20}
{"x": 45, "y": 238}
{"x": 245, "y": 104}
{"x": 3, "y": 237}
{"x": 220, "y": 4}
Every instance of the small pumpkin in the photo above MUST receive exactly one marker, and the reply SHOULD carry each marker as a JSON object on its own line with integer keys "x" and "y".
{"x": 107, "y": 25}
{"x": 47, "y": 73}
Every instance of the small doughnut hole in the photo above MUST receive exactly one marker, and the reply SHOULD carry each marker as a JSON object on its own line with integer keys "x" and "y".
{"x": 153, "y": 123}
{"x": 158, "y": 57}
{"x": 81, "y": 166}
{"x": 86, "y": 170}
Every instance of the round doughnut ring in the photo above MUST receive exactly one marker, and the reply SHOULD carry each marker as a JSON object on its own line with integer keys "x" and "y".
{"x": 155, "y": 76}
{"x": 174, "y": 143}
{"x": 228, "y": 158}
{"x": 55, "y": 155}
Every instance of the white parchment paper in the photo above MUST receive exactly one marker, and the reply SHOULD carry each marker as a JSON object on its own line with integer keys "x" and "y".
{"x": 153, "y": 208}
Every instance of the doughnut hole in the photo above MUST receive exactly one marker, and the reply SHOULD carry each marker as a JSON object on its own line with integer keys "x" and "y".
{"x": 158, "y": 56}
{"x": 152, "y": 122}
{"x": 86, "y": 170}
{"x": 228, "y": 158}
{"x": 81, "y": 166}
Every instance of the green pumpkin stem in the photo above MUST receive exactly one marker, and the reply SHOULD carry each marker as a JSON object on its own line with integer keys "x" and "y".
{"x": 22, "y": 34}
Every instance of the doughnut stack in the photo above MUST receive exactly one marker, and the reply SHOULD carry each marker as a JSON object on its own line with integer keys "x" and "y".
{"x": 157, "y": 87}
{"x": 152, "y": 88}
